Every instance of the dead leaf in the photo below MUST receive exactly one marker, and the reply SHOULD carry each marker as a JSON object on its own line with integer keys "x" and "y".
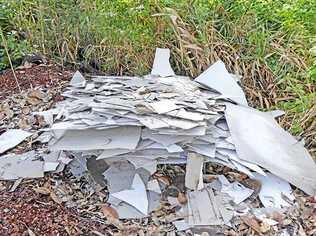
{"x": 26, "y": 65}
{"x": 209, "y": 178}
{"x": 26, "y": 110}
{"x": 41, "y": 121}
{"x": 8, "y": 112}
{"x": 109, "y": 212}
{"x": 43, "y": 190}
{"x": 36, "y": 94}
{"x": 252, "y": 223}
{"x": 165, "y": 179}
{"x": 264, "y": 227}
{"x": 277, "y": 216}
{"x": 182, "y": 198}
{"x": 55, "y": 198}
{"x": 24, "y": 123}
{"x": 33, "y": 101}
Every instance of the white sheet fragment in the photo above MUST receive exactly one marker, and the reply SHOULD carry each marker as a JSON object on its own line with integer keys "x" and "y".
{"x": 260, "y": 140}
{"x": 234, "y": 157}
{"x": 78, "y": 80}
{"x": 164, "y": 106}
{"x": 25, "y": 165}
{"x": 276, "y": 113}
{"x": 182, "y": 113}
{"x": 217, "y": 77}
{"x": 143, "y": 162}
{"x": 153, "y": 200}
{"x": 204, "y": 208}
{"x": 136, "y": 196}
{"x": 123, "y": 137}
{"x": 193, "y": 172}
{"x": 50, "y": 166}
{"x": 11, "y": 138}
{"x": 112, "y": 152}
{"x": 44, "y": 137}
{"x": 236, "y": 190}
{"x": 126, "y": 211}
{"x": 119, "y": 176}
{"x": 203, "y": 149}
{"x": 153, "y": 185}
{"x": 181, "y": 225}
{"x": 273, "y": 190}
{"x": 78, "y": 166}
{"x": 161, "y": 65}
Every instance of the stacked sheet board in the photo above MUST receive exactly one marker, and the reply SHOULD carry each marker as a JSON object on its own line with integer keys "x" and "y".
{"x": 123, "y": 127}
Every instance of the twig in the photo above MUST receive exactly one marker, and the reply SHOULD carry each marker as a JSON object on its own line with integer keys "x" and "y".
{"x": 5, "y": 45}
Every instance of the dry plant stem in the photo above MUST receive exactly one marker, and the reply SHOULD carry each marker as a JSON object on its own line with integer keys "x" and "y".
{"x": 7, "y": 52}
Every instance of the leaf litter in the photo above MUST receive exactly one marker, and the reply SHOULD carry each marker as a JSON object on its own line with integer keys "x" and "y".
{"x": 133, "y": 128}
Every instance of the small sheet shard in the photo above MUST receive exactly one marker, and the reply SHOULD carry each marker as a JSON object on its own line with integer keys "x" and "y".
{"x": 78, "y": 80}
{"x": 217, "y": 77}
{"x": 136, "y": 196}
{"x": 127, "y": 211}
{"x": 259, "y": 139}
{"x": 78, "y": 166}
{"x": 153, "y": 185}
{"x": 275, "y": 192}
{"x": 119, "y": 176}
{"x": 193, "y": 173}
{"x": 235, "y": 190}
{"x": 91, "y": 139}
{"x": 11, "y": 138}
{"x": 25, "y": 165}
{"x": 161, "y": 65}
{"x": 107, "y": 153}
{"x": 204, "y": 208}
{"x": 164, "y": 106}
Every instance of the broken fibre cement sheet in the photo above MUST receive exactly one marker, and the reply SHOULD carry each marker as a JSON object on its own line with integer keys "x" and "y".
{"x": 78, "y": 80}
{"x": 217, "y": 77}
{"x": 204, "y": 208}
{"x": 92, "y": 139}
{"x": 161, "y": 64}
{"x": 11, "y": 138}
{"x": 13, "y": 166}
{"x": 235, "y": 190}
{"x": 136, "y": 196}
{"x": 119, "y": 176}
{"x": 274, "y": 191}
{"x": 259, "y": 139}
{"x": 194, "y": 171}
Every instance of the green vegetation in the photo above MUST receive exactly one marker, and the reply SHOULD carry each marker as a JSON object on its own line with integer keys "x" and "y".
{"x": 271, "y": 43}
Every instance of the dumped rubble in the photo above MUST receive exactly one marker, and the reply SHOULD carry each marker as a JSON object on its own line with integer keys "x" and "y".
{"x": 118, "y": 129}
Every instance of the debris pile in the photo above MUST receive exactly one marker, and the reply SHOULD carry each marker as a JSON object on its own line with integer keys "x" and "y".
{"x": 120, "y": 128}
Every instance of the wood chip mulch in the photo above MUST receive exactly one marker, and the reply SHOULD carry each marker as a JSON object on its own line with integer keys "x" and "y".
{"x": 32, "y": 76}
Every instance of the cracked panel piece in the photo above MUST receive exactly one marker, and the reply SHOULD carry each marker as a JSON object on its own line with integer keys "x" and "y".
{"x": 217, "y": 77}
{"x": 161, "y": 65}
{"x": 11, "y": 138}
{"x": 260, "y": 140}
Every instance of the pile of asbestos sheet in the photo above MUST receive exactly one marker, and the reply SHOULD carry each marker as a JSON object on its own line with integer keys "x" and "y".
{"x": 120, "y": 128}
